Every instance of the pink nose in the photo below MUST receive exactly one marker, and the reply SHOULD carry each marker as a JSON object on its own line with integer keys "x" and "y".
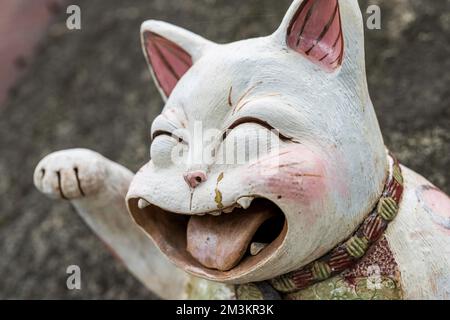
{"x": 194, "y": 178}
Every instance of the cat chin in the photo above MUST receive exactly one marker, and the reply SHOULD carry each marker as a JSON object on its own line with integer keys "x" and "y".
{"x": 233, "y": 245}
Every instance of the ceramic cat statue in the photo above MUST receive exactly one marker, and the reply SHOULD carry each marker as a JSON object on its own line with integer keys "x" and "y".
{"x": 324, "y": 211}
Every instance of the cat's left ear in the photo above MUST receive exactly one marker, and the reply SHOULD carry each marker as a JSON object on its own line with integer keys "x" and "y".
{"x": 170, "y": 52}
{"x": 319, "y": 30}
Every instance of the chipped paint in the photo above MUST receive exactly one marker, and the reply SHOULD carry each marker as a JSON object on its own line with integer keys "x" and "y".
{"x": 218, "y": 197}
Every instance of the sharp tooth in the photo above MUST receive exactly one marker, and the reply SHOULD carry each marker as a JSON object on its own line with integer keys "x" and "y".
{"x": 228, "y": 210}
{"x": 215, "y": 213}
{"x": 245, "y": 202}
{"x": 257, "y": 247}
{"x": 143, "y": 204}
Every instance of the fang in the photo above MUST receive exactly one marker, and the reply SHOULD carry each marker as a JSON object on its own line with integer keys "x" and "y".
{"x": 245, "y": 202}
{"x": 142, "y": 204}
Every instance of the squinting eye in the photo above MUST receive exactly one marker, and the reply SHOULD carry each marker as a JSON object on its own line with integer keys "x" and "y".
{"x": 255, "y": 121}
{"x": 159, "y": 133}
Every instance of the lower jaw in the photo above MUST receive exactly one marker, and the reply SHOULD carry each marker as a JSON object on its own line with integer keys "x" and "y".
{"x": 169, "y": 232}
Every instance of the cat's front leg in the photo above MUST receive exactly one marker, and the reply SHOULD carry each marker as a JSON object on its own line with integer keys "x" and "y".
{"x": 97, "y": 188}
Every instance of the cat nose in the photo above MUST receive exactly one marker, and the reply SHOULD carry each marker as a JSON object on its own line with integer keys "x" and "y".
{"x": 194, "y": 178}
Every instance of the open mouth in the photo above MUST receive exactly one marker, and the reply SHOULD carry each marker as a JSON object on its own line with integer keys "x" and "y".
{"x": 220, "y": 244}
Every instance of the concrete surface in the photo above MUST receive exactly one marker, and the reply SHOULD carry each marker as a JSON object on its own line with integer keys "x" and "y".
{"x": 90, "y": 88}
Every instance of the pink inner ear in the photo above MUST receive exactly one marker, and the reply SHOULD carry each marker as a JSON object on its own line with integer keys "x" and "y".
{"x": 316, "y": 32}
{"x": 168, "y": 60}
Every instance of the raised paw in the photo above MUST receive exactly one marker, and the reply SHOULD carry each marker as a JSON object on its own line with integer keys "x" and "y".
{"x": 71, "y": 174}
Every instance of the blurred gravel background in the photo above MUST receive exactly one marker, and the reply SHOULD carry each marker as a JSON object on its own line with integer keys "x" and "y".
{"x": 91, "y": 89}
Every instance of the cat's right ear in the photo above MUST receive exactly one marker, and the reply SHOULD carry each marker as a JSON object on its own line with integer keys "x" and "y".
{"x": 170, "y": 52}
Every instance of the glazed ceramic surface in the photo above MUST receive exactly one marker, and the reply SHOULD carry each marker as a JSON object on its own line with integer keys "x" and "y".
{"x": 195, "y": 226}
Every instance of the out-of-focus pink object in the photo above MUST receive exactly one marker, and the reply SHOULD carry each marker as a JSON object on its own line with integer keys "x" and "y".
{"x": 22, "y": 25}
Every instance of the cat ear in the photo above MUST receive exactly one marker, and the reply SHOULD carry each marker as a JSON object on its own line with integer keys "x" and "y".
{"x": 170, "y": 52}
{"x": 313, "y": 28}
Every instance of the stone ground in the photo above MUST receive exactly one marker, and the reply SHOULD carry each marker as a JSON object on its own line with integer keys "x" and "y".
{"x": 90, "y": 88}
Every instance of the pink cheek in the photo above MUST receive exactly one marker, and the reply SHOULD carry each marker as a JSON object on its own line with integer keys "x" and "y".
{"x": 297, "y": 174}
{"x": 437, "y": 204}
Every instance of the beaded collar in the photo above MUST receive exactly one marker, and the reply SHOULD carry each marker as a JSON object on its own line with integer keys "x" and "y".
{"x": 342, "y": 257}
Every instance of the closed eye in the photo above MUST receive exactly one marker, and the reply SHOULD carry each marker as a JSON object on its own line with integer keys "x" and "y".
{"x": 257, "y": 121}
{"x": 158, "y": 133}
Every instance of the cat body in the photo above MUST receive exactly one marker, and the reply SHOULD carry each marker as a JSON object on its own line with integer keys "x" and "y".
{"x": 299, "y": 97}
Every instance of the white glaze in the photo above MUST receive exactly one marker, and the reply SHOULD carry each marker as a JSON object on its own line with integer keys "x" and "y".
{"x": 335, "y": 133}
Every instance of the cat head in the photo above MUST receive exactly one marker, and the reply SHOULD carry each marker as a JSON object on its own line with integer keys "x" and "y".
{"x": 268, "y": 152}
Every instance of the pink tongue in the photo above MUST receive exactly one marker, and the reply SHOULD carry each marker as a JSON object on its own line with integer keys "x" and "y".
{"x": 219, "y": 242}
